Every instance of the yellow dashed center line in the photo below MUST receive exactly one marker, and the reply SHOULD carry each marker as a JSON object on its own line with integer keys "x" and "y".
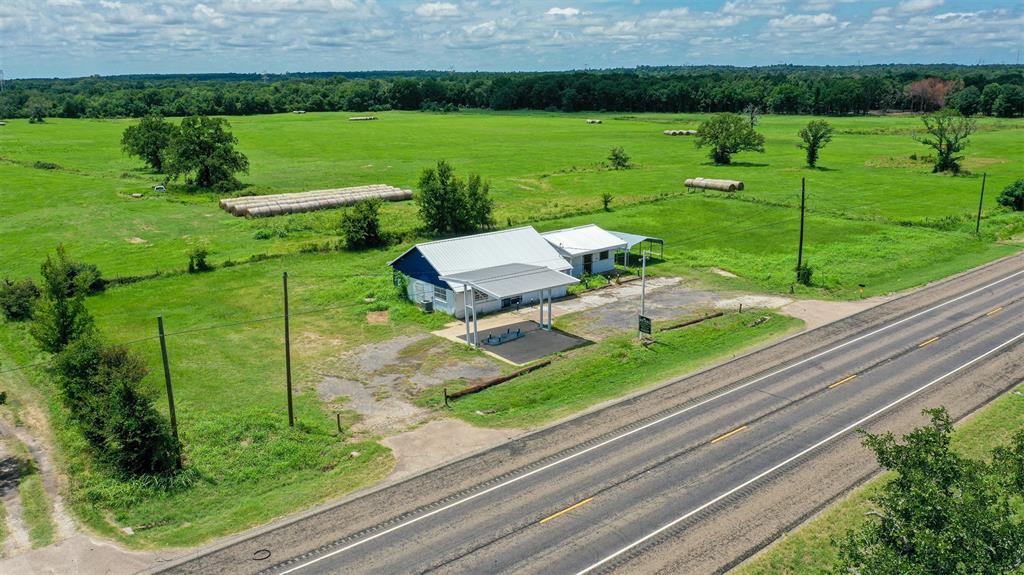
{"x": 728, "y": 435}
{"x": 566, "y": 510}
{"x": 994, "y": 312}
{"x": 929, "y": 342}
{"x": 842, "y": 381}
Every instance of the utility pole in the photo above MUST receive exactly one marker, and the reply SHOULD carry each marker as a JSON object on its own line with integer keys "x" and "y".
{"x": 803, "y": 209}
{"x": 167, "y": 379}
{"x": 981, "y": 201}
{"x": 288, "y": 354}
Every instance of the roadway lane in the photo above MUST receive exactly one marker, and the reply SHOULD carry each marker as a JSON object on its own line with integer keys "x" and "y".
{"x": 621, "y": 491}
{"x": 602, "y": 489}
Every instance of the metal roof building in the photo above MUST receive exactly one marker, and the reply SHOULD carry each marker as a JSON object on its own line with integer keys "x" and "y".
{"x": 589, "y": 248}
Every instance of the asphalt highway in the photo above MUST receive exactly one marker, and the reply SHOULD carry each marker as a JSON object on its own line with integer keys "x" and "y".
{"x": 612, "y": 500}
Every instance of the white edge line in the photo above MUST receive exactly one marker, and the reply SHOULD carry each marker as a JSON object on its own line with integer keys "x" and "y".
{"x": 639, "y": 429}
{"x": 778, "y": 466}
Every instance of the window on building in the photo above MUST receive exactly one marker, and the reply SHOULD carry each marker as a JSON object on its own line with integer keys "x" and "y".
{"x": 604, "y": 255}
{"x": 440, "y": 293}
{"x": 512, "y": 301}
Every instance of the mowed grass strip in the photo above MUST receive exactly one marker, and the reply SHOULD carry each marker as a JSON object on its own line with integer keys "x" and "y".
{"x": 612, "y": 368}
{"x": 808, "y": 550}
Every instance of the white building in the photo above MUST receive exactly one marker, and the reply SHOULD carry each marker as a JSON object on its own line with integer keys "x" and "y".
{"x": 590, "y": 249}
{"x": 507, "y": 268}
{"x": 423, "y": 266}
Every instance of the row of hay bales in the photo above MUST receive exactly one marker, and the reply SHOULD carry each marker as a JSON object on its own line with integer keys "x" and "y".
{"x": 680, "y": 132}
{"x": 713, "y": 184}
{"x": 277, "y": 204}
{"x": 362, "y": 118}
{"x": 593, "y": 121}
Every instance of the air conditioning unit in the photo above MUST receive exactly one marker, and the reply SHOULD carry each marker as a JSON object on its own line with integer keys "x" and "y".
{"x": 427, "y": 306}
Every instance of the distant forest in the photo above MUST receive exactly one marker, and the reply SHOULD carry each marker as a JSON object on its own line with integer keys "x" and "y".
{"x": 827, "y": 90}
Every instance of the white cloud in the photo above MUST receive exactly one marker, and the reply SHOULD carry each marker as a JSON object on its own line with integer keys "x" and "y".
{"x": 568, "y": 12}
{"x": 437, "y": 10}
{"x": 803, "y": 21}
{"x": 914, "y": 6}
{"x": 754, "y": 8}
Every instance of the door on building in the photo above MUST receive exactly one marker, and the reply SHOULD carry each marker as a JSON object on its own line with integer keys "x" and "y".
{"x": 588, "y": 264}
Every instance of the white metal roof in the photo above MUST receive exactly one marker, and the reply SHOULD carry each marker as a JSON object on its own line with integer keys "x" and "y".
{"x": 514, "y": 246}
{"x": 634, "y": 239}
{"x": 584, "y": 240}
{"x": 511, "y": 279}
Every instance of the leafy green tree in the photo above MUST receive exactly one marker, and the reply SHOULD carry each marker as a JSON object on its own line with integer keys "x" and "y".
{"x": 966, "y": 101}
{"x": 619, "y": 159}
{"x": 18, "y": 298}
{"x": 479, "y": 205}
{"x": 1012, "y": 196}
{"x": 946, "y": 132}
{"x": 360, "y": 225}
{"x": 448, "y": 205}
{"x": 37, "y": 108}
{"x": 943, "y": 512}
{"x": 727, "y": 134}
{"x": 148, "y": 140}
{"x": 606, "y": 201}
{"x": 203, "y": 150}
{"x": 988, "y": 97}
{"x": 814, "y": 137}
{"x": 76, "y": 371}
{"x": 60, "y": 315}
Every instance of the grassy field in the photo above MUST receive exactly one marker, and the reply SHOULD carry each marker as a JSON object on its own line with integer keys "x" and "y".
{"x": 809, "y": 550}
{"x": 876, "y": 218}
{"x": 612, "y": 368}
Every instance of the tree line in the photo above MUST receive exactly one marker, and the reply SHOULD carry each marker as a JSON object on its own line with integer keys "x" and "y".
{"x": 994, "y": 90}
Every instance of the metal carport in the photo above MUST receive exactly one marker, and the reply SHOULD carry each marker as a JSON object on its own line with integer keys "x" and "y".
{"x": 504, "y": 281}
{"x": 634, "y": 239}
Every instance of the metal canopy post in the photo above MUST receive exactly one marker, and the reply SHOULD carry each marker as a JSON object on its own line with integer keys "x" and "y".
{"x": 541, "y": 306}
{"x": 550, "y": 322}
{"x": 476, "y": 332}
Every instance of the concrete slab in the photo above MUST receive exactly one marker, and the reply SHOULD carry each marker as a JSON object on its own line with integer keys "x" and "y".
{"x": 535, "y": 344}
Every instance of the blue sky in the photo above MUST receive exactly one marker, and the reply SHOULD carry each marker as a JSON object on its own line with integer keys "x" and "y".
{"x": 82, "y": 37}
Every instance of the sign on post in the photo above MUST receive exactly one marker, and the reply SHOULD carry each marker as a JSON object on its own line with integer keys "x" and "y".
{"x": 645, "y": 325}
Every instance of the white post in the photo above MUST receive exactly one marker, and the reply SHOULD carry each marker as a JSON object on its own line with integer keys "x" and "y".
{"x": 550, "y": 321}
{"x": 541, "y": 306}
{"x": 476, "y": 332}
{"x": 643, "y": 281}
{"x": 465, "y": 313}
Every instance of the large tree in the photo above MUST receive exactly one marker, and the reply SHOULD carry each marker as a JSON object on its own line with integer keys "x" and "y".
{"x": 943, "y": 512}
{"x": 203, "y": 150}
{"x": 727, "y": 134}
{"x": 946, "y": 132}
{"x": 148, "y": 140}
{"x": 813, "y": 138}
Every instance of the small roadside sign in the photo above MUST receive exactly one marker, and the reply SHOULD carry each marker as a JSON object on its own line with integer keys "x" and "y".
{"x": 645, "y": 325}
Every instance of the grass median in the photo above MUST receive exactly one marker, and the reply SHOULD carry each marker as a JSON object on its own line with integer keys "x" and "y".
{"x": 612, "y": 368}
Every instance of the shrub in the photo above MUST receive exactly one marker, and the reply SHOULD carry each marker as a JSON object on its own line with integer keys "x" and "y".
{"x": 805, "y": 274}
{"x": 360, "y": 225}
{"x": 606, "y": 201}
{"x": 1012, "y": 196}
{"x": 60, "y": 316}
{"x": 40, "y": 165}
{"x": 17, "y": 299}
{"x": 197, "y": 260}
{"x": 101, "y": 388}
{"x": 619, "y": 159}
